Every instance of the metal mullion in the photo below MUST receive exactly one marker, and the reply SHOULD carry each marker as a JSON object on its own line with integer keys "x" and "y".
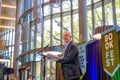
{"x": 61, "y": 22}
{"x": 29, "y": 40}
{"x": 8, "y": 33}
{"x": 103, "y": 13}
{"x": 71, "y": 18}
{"x": 51, "y": 26}
{"x": 114, "y": 12}
{"x": 61, "y": 31}
{"x": 35, "y": 36}
{"x": 11, "y": 44}
{"x": 93, "y": 23}
{"x": 42, "y": 24}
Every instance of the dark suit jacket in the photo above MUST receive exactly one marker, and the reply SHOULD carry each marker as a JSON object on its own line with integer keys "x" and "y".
{"x": 71, "y": 63}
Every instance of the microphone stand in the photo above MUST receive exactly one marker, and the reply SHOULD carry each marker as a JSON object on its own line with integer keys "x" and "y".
{"x": 43, "y": 57}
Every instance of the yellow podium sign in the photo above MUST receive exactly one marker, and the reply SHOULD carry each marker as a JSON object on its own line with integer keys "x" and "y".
{"x": 110, "y": 52}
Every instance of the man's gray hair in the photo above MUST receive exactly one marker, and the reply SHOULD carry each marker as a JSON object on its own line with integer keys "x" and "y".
{"x": 69, "y": 32}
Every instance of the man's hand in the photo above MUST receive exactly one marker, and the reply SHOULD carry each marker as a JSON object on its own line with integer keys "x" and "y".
{"x": 59, "y": 55}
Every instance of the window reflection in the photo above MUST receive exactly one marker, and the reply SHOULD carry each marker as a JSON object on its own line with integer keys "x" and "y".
{"x": 46, "y": 1}
{"x": 32, "y": 30}
{"x": 56, "y": 31}
{"x": 88, "y": 2}
{"x": 96, "y": 1}
{"x": 38, "y": 40}
{"x": 66, "y": 5}
{"x": 98, "y": 16}
{"x": 89, "y": 24}
{"x": 56, "y": 10}
{"x": 46, "y": 10}
{"x": 75, "y": 4}
{"x": 75, "y": 28}
{"x": 117, "y": 2}
{"x": 47, "y": 32}
{"x": 66, "y": 23}
{"x": 28, "y": 4}
{"x": 108, "y": 14}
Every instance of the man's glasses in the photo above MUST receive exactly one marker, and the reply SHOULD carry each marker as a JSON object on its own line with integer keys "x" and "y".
{"x": 66, "y": 35}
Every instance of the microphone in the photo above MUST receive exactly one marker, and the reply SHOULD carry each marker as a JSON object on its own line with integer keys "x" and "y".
{"x": 46, "y": 46}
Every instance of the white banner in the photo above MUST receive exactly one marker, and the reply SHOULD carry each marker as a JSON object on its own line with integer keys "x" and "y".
{"x": 82, "y": 55}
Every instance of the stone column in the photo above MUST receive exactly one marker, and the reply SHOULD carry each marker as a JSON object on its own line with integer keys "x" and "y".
{"x": 82, "y": 21}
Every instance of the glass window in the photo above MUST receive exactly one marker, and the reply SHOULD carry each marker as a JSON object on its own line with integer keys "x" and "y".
{"x": 12, "y": 58}
{"x": 38, "y": 40}
{"x": 38, "y": 71}
{"x": 56, "y": 10}
{"x": 75, "y": 4}
{"x": 27, "y": 58}
{"x": 66, "y": 5}
{"x": 117, "y": 4}
{"x": 32, "y": 35}
{"x": 28, "y": 4}
{"x": 89, "y": 24}
{"x": 56, "y": 31}
{"x": 75, "y": 28}
{"x": 96, "y": 19}
{"x": 7, "y": 35}
{"x": 10, "y": 37}
{"x": 88, "y": 2}
{"x": 20, "y": 49}
{"x": 13, "y": 34}
{"x": 96, "y": 1}
{"x": 32, "y": 57}
{"x": 67, "y": 23}
{"x": 46, "y": 32}
{"x": 46, "y": 10}
{"x": 98, "y": 16}
{"x": 108, "y": 14}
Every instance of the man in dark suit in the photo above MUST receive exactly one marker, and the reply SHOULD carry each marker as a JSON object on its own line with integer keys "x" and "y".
{"x": 70, "y": 61}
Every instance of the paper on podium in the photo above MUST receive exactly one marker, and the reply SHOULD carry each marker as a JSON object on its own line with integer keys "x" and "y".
{"x": 52, "y": 55}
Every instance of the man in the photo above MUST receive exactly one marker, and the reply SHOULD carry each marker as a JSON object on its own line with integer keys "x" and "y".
{"x": 70, "y": 61}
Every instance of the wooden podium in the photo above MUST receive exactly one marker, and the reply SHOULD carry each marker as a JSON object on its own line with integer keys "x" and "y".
{"x": 59, "y": 72}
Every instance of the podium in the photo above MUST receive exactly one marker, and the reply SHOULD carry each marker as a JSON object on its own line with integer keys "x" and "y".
{"x": 53, "y": 68}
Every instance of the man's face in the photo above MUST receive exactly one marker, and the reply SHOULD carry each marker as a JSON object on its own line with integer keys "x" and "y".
{"x": 66, "y": 37}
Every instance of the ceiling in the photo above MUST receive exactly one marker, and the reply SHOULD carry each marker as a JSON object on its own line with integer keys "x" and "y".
{"x": 8, "y": 14}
